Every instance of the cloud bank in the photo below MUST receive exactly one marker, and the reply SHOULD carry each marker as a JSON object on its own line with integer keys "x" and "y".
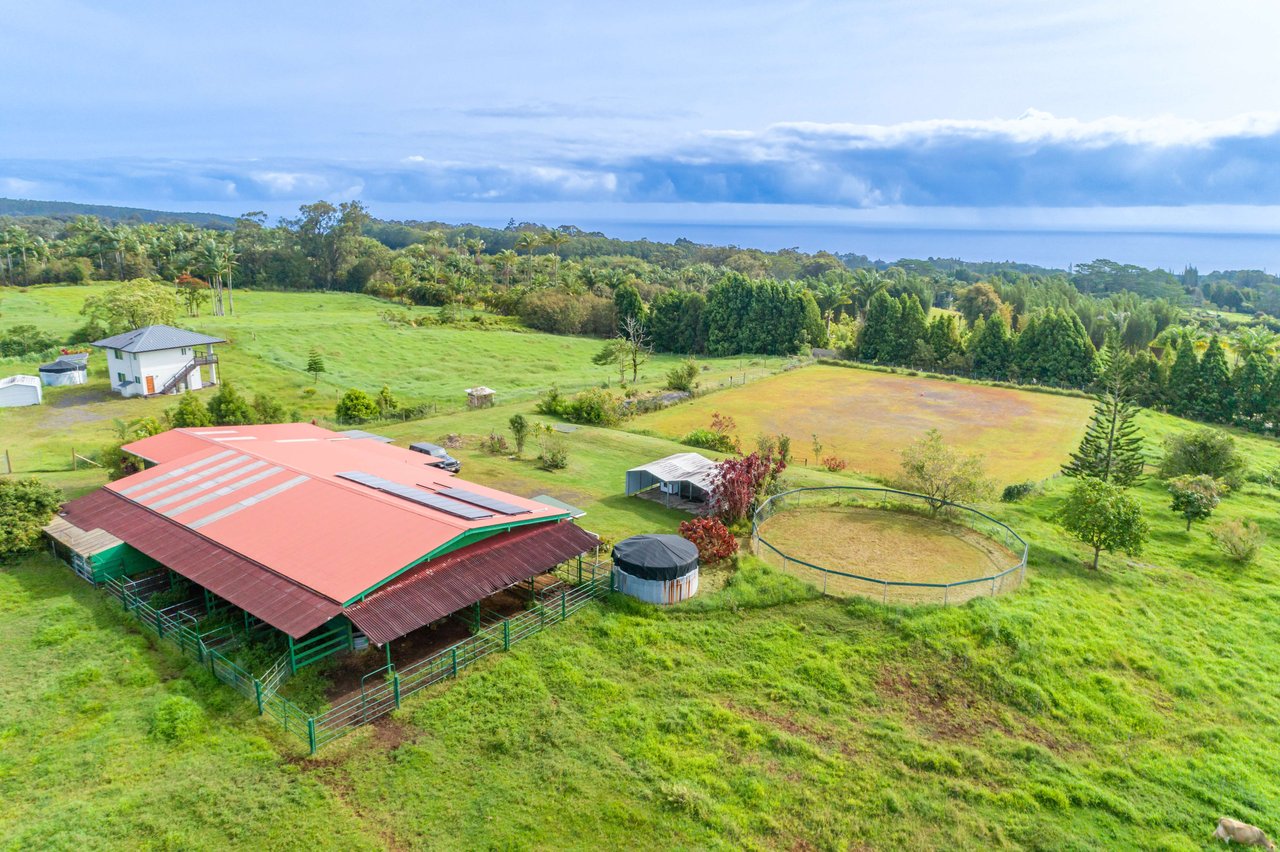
{"x": 1035, "y": 160}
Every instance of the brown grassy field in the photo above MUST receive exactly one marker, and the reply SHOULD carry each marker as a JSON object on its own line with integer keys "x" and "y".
{"x": 867, "y": 417}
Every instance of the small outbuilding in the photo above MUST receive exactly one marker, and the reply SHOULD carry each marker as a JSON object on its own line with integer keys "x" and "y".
{"x": 17, "y": 391}
{"x": 72, "y": 369}
{"x": 658, "y": 568}
{"x": 683, "y": 480}
{"x": 480, "y": 397}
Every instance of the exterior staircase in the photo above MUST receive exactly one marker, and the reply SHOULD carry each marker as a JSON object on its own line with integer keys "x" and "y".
{"x": 181, "y": 376}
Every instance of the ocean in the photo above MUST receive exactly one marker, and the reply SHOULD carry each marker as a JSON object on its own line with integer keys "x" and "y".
{"x": 1173, "y": 251}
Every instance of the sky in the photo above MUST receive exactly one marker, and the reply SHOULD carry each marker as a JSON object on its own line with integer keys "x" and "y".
{"x": 1003, "y": 113}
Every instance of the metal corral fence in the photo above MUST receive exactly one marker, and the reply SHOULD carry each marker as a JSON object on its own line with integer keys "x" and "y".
{"x": 861, "y": 580}
{"x": 382, "y": 690}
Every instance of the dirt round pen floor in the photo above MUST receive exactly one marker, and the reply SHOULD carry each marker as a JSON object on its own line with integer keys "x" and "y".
{"x": 890, "y": 546}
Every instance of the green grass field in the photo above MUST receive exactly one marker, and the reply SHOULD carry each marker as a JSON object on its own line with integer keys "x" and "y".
{"x": 866, "y": 417}
{"x": 269, "y": 341}
{"x": 1127, "y": 708}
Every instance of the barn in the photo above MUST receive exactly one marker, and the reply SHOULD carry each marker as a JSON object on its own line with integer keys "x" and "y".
{"x": 17, "y": 391}
{"x": 332, "y": 541}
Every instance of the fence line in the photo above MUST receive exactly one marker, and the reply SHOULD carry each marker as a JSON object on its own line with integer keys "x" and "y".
{"x": 838, "y": 582}
{"x": 386, "y": 691}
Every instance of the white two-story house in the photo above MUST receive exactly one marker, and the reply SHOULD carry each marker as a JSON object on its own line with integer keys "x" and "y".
{"x": 160, "y": 359}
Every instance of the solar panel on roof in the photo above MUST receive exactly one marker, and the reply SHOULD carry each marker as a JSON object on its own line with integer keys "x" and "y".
{"x": 487, "y": 502}
{"x": 416, "y": 495}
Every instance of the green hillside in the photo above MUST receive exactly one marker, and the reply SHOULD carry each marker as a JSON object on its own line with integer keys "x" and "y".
{"x": 1123, "y": 709}
{"x": 24, "y": 207}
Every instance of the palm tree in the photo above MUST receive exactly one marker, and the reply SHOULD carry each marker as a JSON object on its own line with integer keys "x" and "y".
{"x": 529, "y": 241}
{"x": 866, "y": 283}
{"x": 1254, "y": 340}
{"x": 554, "y": 240}
{"x": 506, "y": 259}
{"x": 211, "y": 262}
{"x": 229, "y": 264}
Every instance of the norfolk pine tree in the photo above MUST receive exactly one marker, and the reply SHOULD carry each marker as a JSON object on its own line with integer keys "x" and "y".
{"x": 1112, "y": 446}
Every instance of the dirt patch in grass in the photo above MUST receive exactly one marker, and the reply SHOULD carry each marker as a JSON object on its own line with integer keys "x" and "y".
{"x": 886, "y": 545}
{"x": 949, "y": 709}
{"x": 866, "y": 418}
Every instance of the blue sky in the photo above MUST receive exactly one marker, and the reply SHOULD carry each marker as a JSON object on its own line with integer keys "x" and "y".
{"x": 1135, "y": 113}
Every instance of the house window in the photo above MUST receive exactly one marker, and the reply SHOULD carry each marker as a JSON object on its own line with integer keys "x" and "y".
{"x": 120, "y": 378}
{"x": 137, "y": 381}
{"x": 116, "y": 353}
{"x": 184, "y": 350}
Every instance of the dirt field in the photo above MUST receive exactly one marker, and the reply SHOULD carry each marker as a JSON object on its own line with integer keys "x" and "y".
{"x": 886, "y": 545}
{"x": 867, "y": 417}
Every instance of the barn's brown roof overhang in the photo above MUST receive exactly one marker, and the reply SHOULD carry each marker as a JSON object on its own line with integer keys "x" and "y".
{"x": 452, "y": 582}
{"x": 280, "y": 602}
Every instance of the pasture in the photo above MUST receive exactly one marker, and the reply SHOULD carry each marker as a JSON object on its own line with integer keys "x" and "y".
{"x": 1124, "y": 708}
{"x": 866, "y": 417}
{"x": 269, "y": 340}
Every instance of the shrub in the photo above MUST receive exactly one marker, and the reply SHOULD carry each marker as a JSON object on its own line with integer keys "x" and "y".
{"x": 25, "y": 340}
{"x": 189, "y": 411}
{"x": 714, "y": 542}
{"x": 595, "y": 407}
{"x": 552, "y": 402}
{"x": 553, "y": 453}
{"x": 683, "y": 376}
{"x": 835, "y": 464}
{"x": 519, "y": 431}
{"x": 228, "y": 408}
{"x": 495, "y": 444}
{"x": 708, "y": 440}
{"x": 356, "y": 406}
{"x": 1194, "y": 497}
{"x": 176, "y": 718}
{"x": 267, "y": 409}
{"x": 26, "y": 505}
{"x": 741, "y": 482}
{"x": 1208, "y": 452}
{"x": 1015, "y": 492}
{"x": 1239, "y": 540}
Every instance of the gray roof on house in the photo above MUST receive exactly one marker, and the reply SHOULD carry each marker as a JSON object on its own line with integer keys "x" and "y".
{"x": 153, "y": 338}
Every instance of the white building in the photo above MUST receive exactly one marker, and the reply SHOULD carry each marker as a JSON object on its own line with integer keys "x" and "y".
{"x": 160, "y": 359}
{"x": 17, "y": 391}
{"x": 66, "y": 370}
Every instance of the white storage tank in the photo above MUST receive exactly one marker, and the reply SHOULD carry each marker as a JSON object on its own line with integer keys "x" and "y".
{"x": 660, "y": 569}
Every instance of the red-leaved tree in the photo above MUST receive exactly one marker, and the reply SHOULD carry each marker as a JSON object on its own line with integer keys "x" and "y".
{"x": 742, "y": 482}
{"x": 714, "y": 541}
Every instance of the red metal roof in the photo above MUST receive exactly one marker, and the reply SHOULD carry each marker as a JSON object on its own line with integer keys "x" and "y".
{"x": 274, "y": 599}
{"x": 272, "y": 495}
{"x": 445, "y": 585}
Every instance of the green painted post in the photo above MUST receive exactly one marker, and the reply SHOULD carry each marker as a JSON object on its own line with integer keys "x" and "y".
{"x": 388, "y": 653}
{"x": 455, "y": 660}
{"x": 579, "y": 567}
{"x": 506, "y": 634}
{"x": 293, "y": 665}
{"x": 311, "y": 733}
{"x": 477, "y": 608}
{"x": 257, "y": 693}
{"x": 564, "y": 607}
{"x": 395, "y": 687}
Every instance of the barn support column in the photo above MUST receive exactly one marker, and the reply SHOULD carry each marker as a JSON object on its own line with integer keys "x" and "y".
{"x": 293, "y": 658}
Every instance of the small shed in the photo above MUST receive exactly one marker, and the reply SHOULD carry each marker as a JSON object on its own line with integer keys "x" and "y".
{"x": 480, "y": 397}
{"x": 658, "y": 568}
{"x": 72, "y": 369}
{"x": 683, "y": 477}
{"x": 17, "y": 391}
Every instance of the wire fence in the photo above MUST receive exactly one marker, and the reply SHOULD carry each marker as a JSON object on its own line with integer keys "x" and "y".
{"x": 382, "y": 690}
{"x": 845, "y": 581}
